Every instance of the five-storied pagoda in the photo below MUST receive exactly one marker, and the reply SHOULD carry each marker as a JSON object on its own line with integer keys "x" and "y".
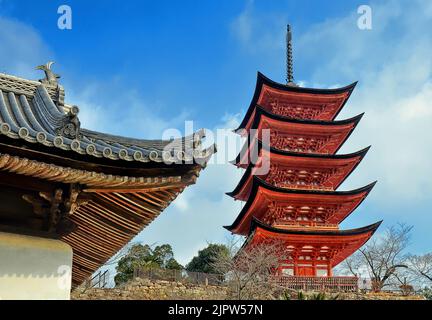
{"x": 295, "y": 201}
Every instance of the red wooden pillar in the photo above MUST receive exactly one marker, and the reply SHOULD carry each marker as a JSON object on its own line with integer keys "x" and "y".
{"x": 329, "y": 271}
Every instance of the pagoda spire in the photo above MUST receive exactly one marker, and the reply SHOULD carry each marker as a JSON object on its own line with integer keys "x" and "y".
{"x": 289, "y": 58}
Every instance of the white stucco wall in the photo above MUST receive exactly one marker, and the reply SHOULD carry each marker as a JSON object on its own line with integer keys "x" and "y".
{"x": 34, "y": 268}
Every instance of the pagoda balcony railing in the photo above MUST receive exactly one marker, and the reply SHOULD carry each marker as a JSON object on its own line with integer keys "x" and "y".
{"x": 305, "y": 225}
{"x": 304, "y": 187}
{"x": 307, "y": 283}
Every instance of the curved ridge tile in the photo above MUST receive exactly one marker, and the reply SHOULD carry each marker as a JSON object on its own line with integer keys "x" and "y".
{"x": 50, "y": 105}
{"x": 19, "y": 115}
{"x": 40, "y": 112}
{"x": 5, "y": 112}
{"x": 30, "y": 115}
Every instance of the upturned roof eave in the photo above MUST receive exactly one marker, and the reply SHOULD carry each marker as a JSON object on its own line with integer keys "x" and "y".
{"x": 259, "y": 183}
{"x": 361, "y": 153}
{"x": 262, "y": 79}
{"x": 255, "y": 223}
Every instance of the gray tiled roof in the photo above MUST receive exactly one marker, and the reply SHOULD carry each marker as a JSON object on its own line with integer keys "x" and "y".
{"x": 34, "y": 111}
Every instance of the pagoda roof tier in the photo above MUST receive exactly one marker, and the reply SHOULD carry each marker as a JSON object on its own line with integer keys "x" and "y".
{"x": 274, "y": 205}
{"x": 296, "y": 102}
{"x": 306, "y": 136}
{"x": 34, "y": 112}
{"x": 332, "y": 245}
{"x": 296, "y": 170}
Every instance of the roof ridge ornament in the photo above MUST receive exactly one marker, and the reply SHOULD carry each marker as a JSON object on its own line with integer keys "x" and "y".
{"x": 289, "y": 59}
{"x": 71, "y": 125}
{"x": 50, "y": 77}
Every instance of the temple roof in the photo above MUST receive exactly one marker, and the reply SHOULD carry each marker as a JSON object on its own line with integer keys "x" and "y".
{"x": 335, "y": 98}
{"x": 94, "y": 191}
{"x": 339, "y": 203}
{"x": 346, "y": 242}
{"x": 35, "y": 112}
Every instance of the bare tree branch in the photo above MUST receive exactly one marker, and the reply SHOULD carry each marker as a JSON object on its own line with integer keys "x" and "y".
{"x": 383, "y": 258}
{"x": 421, "y": 268}
{"x": 250, "y": 272}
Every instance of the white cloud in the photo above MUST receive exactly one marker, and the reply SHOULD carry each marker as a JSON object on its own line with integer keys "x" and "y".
{"x": 394, "y": 91}
{"x": 182, "y": 202}
{"x": 109, "y": 107}
{"x": 256, "y": 31}
{"x": 197, "y": 216}
{"x": 242, "y": 25}
{"x": 22, "y": 49}
{"x": 417, "y": 106}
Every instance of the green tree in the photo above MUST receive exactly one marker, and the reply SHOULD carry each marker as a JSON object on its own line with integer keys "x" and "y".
{"x": 172, "y": 264}
{"x": 144, "y": 257}
{"x": 204, "y": 261}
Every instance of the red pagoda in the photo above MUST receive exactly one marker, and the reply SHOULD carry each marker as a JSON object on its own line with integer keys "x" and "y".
{"x": 295, "y": 201}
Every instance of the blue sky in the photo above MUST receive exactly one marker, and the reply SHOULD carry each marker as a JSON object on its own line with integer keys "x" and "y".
{"x": 136, "y": 68}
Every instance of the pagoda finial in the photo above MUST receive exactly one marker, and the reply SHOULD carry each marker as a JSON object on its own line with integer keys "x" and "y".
{"x": 289, "y": 58}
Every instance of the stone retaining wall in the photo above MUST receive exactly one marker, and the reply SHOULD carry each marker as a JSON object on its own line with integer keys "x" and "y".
{"x": 144, "y": 289}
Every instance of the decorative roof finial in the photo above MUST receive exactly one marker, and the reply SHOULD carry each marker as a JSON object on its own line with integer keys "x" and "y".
{"x": 50, "y": 77}
{"x": 289, "y": 58}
